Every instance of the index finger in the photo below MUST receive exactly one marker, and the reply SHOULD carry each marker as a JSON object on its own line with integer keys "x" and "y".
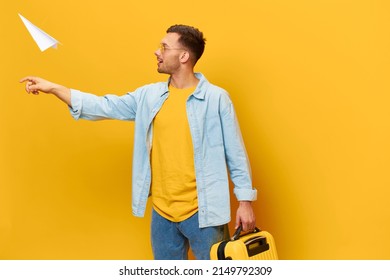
{"x": 28, "y": 78}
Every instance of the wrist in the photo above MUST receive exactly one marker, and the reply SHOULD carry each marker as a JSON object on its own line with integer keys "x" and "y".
{"x": 245, "y": 202}
{"x": 55, "y": 89}
{"x": 58, "y": 89}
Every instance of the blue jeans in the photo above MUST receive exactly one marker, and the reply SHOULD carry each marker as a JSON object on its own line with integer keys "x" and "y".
{"x": 171, "y": 241}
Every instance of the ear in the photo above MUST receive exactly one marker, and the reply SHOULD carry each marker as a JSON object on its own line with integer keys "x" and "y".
{"x": 184, "y": 57}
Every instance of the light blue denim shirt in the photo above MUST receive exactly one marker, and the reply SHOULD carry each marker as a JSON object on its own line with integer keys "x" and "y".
{"x": 216, "y": 136}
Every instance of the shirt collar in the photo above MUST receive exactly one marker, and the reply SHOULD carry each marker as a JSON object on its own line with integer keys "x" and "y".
{"x": 199, "y": 92}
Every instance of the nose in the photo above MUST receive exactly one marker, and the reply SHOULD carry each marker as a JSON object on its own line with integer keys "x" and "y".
{"x": 157, "y": 52}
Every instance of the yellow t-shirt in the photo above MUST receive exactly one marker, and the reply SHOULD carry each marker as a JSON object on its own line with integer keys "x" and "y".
{"x": 174, "y": 194}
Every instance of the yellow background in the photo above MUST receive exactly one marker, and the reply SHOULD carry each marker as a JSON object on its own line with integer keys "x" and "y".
{"x": 309, "y": 80}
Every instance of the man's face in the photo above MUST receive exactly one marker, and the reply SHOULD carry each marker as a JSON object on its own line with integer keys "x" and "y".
{"x": 168, "y": 55}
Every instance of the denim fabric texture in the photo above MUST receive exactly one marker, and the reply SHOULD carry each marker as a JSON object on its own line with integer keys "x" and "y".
{"x": 171, "y": 241}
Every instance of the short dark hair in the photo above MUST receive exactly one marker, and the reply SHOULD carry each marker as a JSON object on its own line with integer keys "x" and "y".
{"x": 191, "y": 38}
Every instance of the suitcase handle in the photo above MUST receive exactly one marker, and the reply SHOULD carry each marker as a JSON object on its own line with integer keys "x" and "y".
{"x": 237, "y": 234}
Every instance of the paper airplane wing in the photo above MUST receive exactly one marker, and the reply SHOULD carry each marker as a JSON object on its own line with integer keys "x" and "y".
{"x": 43, "y": 40}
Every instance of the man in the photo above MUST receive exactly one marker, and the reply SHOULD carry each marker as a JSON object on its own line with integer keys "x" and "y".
{"x": 186, "y": 134}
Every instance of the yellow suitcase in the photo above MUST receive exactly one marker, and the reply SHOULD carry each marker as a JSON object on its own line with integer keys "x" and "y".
{"x": 256, "y": 245}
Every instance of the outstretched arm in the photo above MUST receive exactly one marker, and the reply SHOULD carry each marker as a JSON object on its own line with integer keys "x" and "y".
{"x": 35, "y": 85}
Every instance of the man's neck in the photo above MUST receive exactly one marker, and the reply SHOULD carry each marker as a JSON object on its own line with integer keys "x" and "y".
{"x": 184, "y": 80}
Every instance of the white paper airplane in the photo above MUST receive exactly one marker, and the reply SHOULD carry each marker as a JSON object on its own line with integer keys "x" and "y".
{"x": 43, "y": 40}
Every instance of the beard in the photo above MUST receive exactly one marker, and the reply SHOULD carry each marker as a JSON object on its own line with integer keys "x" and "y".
{"x": 161, "y": 71}
{"x": 167, "y": 67}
